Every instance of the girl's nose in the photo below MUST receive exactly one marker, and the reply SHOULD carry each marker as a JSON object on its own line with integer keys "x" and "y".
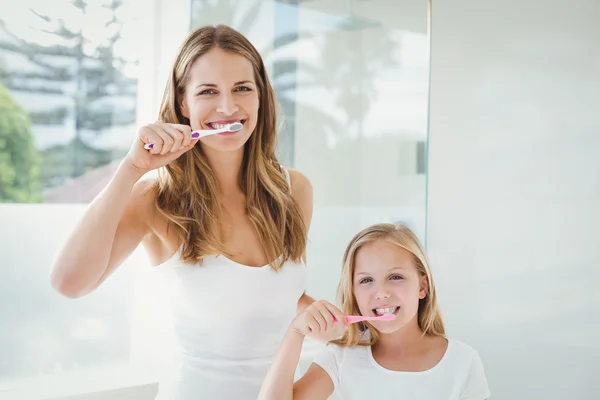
{"x": 382, "y": 292}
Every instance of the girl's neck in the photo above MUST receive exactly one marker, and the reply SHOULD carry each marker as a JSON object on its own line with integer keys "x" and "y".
{"x": 407, "y": 337}
{"x": 409, "y": 350}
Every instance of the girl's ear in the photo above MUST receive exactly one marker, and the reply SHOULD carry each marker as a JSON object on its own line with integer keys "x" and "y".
{"x": 423, "y": 287}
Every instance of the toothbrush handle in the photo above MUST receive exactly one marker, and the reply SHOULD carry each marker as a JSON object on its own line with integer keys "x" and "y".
{"x": 357, "y": 318}
{"x": 195, "y": 135}
{"x": 351, "y": 319}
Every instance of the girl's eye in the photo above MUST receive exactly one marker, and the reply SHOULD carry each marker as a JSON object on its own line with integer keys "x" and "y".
{"x": 365, "y": 280}
{"x": 396, "y": 277}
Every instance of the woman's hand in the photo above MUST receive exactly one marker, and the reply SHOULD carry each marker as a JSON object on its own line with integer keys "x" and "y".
{"x": 321, "y": 318}
{"x": 169, "y": 142}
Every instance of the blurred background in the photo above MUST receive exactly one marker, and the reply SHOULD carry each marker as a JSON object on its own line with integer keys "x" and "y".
{"x": 474, "y": 123}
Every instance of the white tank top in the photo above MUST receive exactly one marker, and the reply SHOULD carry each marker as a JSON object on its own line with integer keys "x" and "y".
{"x": 229, "y": 320}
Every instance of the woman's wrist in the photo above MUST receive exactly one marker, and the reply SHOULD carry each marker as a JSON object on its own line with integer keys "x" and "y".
{"x": 130, "y": 169}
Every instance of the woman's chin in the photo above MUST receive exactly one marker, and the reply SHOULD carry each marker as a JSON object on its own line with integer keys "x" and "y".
{"x": 225, "y": 143}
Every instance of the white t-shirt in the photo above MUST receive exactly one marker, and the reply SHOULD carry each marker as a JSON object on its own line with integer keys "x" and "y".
{"x": 357, "y": 376}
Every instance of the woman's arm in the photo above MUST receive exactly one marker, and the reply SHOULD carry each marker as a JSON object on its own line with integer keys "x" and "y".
{"x": 118, "y": 218}
{"x": 111, "y": 228}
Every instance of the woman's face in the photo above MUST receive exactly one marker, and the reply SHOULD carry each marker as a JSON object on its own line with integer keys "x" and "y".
{"x": 222, "y": 90}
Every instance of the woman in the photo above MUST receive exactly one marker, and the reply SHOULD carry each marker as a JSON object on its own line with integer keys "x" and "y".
{"x": 225, "y": 222}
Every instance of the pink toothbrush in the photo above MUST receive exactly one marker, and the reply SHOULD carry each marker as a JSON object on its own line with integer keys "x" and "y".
{"x": 351, "y": 319}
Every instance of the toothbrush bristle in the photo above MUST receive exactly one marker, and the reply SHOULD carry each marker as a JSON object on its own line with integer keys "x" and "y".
{"x": 236, "y": 126}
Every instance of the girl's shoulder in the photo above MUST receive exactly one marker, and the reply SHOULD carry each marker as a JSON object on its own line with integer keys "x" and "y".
{"x": 461, "y": 355}
{"x": 457, "y": 353}
{"x": 461, "y": 349}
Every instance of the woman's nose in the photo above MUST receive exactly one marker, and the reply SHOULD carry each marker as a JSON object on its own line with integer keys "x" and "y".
{"x": 227, "y": 105}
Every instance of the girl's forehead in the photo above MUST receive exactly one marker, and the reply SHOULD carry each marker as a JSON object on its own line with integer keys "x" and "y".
{"x": 382, "y": 257}
{"x": 381, "y": 269}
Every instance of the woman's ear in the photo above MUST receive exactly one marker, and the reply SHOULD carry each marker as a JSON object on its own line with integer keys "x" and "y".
{"x": 423, "y": 287}
{"x": 183, "y": 107}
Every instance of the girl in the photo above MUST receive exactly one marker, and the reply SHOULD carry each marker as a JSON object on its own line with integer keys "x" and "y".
{"x": 385, "y": 271}
{"x": 225, "y": 222}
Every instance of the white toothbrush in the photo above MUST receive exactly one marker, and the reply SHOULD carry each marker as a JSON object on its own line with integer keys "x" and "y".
{"x": 236, "y": 126}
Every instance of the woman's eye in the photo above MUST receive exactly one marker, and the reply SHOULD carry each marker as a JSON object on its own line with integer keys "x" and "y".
{"x": 207, "y": 91}
{"x": 243, "y": 89}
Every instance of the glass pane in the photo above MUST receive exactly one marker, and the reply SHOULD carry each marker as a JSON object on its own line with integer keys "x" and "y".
{"x": 68, "y": 82}
{"x": 352, "y": 79}
{"x": 50, "y": 334}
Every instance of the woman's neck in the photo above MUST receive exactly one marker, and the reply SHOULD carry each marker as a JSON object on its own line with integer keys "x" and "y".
{"x": 226, "y": 167}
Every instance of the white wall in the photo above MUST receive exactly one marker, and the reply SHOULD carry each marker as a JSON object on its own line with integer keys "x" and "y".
{"x": 514, "y": 189}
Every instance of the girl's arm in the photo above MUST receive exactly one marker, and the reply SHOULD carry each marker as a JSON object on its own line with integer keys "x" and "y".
{"x": 316, "y": 383}
{"x": 475, "y": 386}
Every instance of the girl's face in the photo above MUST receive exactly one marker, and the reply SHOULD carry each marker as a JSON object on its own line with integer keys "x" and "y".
{"x": 387, "y": 281}
{"x": 221, "y": 90}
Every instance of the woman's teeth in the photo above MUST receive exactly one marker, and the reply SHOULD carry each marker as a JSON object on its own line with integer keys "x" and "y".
{"x": 214, "y": 125}
{"x": 388, "y": 310}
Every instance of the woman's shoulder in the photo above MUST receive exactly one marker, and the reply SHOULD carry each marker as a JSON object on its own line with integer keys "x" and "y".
{"x": 301, "y": 188}
{"x": 144, "y": 193}
{"x": 163, "y": 238}
{"x": 143, "y": 202}
{"x": 298, "y": 180}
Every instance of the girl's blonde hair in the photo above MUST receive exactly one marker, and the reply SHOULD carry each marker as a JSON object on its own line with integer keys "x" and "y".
{"x": 429, "y": 317}
{"x": 188, "y": 189}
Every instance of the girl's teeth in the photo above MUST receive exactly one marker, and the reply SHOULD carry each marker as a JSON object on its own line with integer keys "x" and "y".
{"x": 389, "y": 310}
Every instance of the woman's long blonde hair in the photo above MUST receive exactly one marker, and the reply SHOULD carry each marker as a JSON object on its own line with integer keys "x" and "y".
{"x": 429, "y": 317}
{"x": 188, "y": 191}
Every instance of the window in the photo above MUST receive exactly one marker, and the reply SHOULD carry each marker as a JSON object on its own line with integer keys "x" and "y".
{"x": 68, "y": 98}
{"x": 78, "y": 77}
{"x": 68, "y": 74}
{"x": 352, "y": 79}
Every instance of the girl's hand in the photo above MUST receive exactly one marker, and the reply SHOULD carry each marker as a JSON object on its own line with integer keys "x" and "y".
{"x": 320, "y": 318}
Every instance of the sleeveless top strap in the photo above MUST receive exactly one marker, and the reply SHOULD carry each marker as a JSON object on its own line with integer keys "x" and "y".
{"x": 287, "y": 177}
